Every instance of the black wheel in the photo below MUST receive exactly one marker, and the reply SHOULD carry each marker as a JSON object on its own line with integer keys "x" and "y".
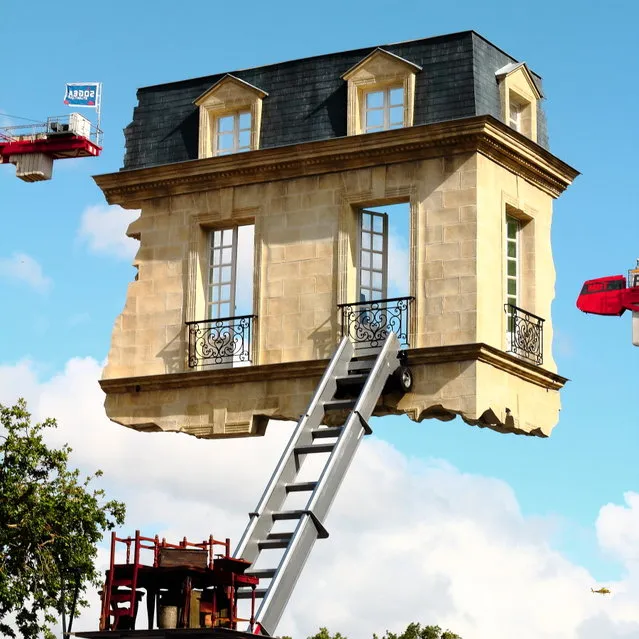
{"x": 404, "y": 377}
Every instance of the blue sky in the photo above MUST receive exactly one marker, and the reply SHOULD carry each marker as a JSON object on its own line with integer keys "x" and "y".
{"x": 63, "y": 304}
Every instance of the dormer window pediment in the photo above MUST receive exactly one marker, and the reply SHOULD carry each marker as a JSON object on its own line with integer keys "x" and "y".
{"x": 381, "y": 93}
{"x": 519, "y": 95}
{"x": 230, "y": 117}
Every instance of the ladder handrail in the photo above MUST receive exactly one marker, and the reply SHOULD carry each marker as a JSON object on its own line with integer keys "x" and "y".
{"x": 343, "y": 350}
{"x": 297, "y": 544}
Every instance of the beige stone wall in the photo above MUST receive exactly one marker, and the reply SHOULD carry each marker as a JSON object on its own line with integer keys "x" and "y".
{"x": 306, "y": 234}
{"x": 500, "y": 191}
{"x": 305, "y": 265}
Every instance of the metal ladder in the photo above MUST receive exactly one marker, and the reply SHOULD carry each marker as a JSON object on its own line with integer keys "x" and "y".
{"x": 364, "y": 381}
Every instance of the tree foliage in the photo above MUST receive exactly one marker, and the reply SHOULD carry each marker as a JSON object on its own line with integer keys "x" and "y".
{"x": 50, "y": 522}
{"x": 413, "y": 631}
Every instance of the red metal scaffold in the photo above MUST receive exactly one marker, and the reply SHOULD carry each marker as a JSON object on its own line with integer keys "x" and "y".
{"x": 32, "y": 148}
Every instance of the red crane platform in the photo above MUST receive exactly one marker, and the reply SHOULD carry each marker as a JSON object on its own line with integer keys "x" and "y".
{"x": 32, "y": 148}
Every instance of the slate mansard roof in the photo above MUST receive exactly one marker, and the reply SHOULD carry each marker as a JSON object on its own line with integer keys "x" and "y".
{"x": 307, "y": 98}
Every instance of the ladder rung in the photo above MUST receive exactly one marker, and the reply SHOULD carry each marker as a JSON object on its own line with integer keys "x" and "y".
{"x": 279, "y": 535}
{"x": 353, "y": 379}
{"x": 288, "y": 514}
{"x": 246, "y": 594}
{"x": 331, "y": 431}
{"x": 301, "y": 487}
{"x": 339, "y": 404}
{"x": 262, "y": 573}
{"x": 314, "y": 448}
{"x": 273, "y": 544}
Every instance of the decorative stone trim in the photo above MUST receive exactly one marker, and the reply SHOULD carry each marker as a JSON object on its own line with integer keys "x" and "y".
{"x": 483, "y": 134}
{"x": 315, "y": 368}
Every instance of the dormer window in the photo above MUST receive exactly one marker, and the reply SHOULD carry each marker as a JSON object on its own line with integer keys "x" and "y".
{"x": 381, "y": 93}
{"x": 384, "y": 109}
{"x": 233, "y": 133}
{"x": 230, "y": 117}
{"x": 519, "y": 98}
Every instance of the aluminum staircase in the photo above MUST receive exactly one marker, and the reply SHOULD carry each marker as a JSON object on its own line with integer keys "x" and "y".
{"x": 351, "y": 387}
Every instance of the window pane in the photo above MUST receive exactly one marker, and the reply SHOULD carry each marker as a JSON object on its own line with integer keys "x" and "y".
{"x": 216, "y": 257}
{"x": 225, "y": 292}
{"x": 228, "y": 237}
{"x": 225, "y": 123}
{"x": 378, "y": 243}
{"x": 374, "y": 119}
{"x": 513, "y": 227}
{"x": 377, "y": 281}
{"x": 512, "y": 249}
{"x": 512, "y": 268}
{"x": 366, "y": 221}
{"x": 227, "y": 256}
{"x": 366, "y": 279}
{"x": 374, "y": 99}
{"x": 217, "y": 238}
{"x": 378, "y": 224}
{"x": 512, "y": 301}
{"x": 397, "y": 116}
{"x": 215, "y": 294}
{"x": 225, "y": 142}
{"x": 512, "y": 287}
{"x": 224, "y": 310}
{"x": 366, "y": 259}
{"x": 215, "y": 275}
{"x": 366, "y": 241}
{"x": 245, "y": 120}
{"x": 226, "y": 273}
{"x": 377, "y": 261}
{"x": 245, "y": 139}
{"x": 396, "y": 97}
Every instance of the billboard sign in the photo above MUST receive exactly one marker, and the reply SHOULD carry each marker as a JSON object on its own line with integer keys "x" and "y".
{"x": 82, "y": 94}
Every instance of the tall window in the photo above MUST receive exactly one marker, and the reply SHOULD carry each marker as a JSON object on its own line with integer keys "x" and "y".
{"x": 373, "y": 256}
{"x": 513, "y": 267}
{"x": 222, "y": 268}
{"x": 384, "y": 109}
{"x": 233, "y": 133}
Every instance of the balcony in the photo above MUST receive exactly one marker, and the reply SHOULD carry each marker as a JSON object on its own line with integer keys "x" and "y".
{"x": 214, "y": 342}
{"x": 525, "y": 336}
{"x": 368, "y": 323}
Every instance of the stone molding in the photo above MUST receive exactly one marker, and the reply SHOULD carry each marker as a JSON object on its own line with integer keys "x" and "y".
{"x": 315, "y": 368}
{"x": 482, "y": 134}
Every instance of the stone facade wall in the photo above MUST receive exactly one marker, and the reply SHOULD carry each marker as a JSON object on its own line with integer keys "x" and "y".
{"x": 305, "y": 265}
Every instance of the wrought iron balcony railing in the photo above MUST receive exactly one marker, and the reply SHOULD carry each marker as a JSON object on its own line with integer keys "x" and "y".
{"x": 226, "y": 340}
{"x": 525, "y": 336}
{"x": 369, "y": 323}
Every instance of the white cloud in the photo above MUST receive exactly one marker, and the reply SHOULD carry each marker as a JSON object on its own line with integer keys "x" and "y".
{"x": 22, "y": 268}
{"x": 103, "y": 229}
{"x": 410, "y": 540}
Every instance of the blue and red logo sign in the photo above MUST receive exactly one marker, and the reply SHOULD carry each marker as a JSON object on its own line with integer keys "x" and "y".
{"x": 82, "y": 95}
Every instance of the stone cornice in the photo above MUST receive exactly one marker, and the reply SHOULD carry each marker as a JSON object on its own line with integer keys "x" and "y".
{"x": 292, "y": 370}
{"x": 483, "y": 134}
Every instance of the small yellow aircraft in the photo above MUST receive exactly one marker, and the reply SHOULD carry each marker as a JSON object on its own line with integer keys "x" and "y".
{"x": 601, "y": 591}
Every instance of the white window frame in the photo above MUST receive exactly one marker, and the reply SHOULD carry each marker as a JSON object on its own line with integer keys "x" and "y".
{"x": 515, "y": 115}
{"x": 515, "y": 261}
{"x": 385, "y": 108}
{"x": 372, "y": 277}
{"x": 222, "y": 272}
{"x": 236, "y": 132}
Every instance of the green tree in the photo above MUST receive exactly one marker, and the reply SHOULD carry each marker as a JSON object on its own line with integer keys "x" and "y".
{"x": 50, "y": 522}
{"x": 413, "y": 631}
